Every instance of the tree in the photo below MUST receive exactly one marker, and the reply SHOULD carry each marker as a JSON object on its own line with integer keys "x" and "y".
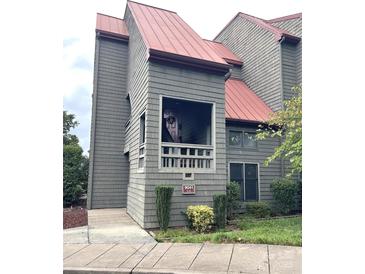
{"x": 75, "y": 164}
{"x": 69, "y": 123}
{"x": 287, "y": 125}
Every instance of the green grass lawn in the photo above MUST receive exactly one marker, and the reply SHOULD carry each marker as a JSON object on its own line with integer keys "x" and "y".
{"x": 280, "y": 231}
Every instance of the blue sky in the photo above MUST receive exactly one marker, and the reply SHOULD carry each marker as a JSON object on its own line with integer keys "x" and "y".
{"x": 79, "y": 40}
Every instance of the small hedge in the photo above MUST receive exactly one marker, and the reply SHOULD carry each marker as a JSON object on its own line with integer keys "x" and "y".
{"x": 233, "y": 198}
{"x": 201, "y": 217}
{"x": 284, "y": 193}
{"x": 163, "y": 205}
{"x": 258, "y": 209}
{"x": 220, "y": 208}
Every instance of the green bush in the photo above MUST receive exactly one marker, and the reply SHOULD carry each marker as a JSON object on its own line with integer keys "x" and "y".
{"x": 163, "y": 205}
{"x": 258, "y": 209}
{"x": 75, "y": 174}
{"x": 220, "y": 208}
{"x": 284, "y": 193}
{"x": 201, "y": 217}
{"x": 233, "y": 198}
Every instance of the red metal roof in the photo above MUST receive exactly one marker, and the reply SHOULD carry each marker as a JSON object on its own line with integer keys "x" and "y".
{"x": 165, "y": 32}
{"x": 242, "y": 104}
{"x": 224, "y": 52}
{"x": 279, "y": 33}
{"x": 285, "y": 18}
{"x": 111, "y": 25}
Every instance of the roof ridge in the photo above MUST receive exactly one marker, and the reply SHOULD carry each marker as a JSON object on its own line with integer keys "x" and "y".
{"x": 284, "y": 18}
{"x": 151, "y": 6}
{"x": 279, "y": 33}
{"x": 213, "y": 41}
{"x": 110, "y": 16}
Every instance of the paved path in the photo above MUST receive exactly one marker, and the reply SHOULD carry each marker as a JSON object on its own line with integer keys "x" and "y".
{"x": 108, "y": 226}
{"x": 114, "y": 243}
{"x": 181, "y": 258}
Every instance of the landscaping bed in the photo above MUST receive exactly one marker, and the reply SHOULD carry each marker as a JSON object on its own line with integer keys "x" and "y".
{"x": 275, "y": 231}
{"x": 74, "y": 217}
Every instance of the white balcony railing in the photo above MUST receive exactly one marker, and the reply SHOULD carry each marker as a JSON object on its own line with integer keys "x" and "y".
{"x": 177, "y": 157}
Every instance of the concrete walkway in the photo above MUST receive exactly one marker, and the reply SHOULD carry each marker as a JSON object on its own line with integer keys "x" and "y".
{"x": 114, "y": 243}
{"x": 108, "y": 226}
{"x": 181, "y": 258}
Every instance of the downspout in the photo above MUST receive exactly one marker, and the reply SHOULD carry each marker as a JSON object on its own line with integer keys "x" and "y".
{"x": 282, "y": 98}
{"x": 93, "y": 124}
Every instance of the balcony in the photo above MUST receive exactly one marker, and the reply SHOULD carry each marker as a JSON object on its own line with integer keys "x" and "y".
{"x": 189, "y": 158}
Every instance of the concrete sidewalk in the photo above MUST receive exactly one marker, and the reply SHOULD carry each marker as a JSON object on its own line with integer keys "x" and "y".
{"x": 108, "y": 226}
{"x": 181, "y": 258}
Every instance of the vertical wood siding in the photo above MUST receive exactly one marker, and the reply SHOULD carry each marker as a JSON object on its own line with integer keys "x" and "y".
{"x": 260, "y": 53}
{"x": 137, "y": 85}
{"x": 187, "y": 84}
{"x": 108, "y": 178}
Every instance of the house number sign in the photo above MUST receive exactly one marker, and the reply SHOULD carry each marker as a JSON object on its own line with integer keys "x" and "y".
{"x": 188, "y": 189}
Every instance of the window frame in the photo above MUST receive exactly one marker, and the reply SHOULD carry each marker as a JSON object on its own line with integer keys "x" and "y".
{"x": 243, "y": 140}
{"x": 212, "y": 169}
{"x": 142, "y": 145}
{"x": 241, "y": 137}
{"x": 244, "y": 178}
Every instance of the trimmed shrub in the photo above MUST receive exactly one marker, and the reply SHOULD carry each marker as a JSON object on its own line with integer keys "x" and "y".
{"x": 163, "y": 205}
{"x": 284, "y": 193}
{"x": 220, "y": 208}
{"x": 201, "y": 217}
{"x": 233, "y": 198}
{"x": 258, "y": 209}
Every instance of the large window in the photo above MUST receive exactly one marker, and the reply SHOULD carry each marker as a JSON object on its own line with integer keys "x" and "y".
{"x": 247, "y": 175}
{"x": 186, "y": 122}
{"x": 187, "y": 136}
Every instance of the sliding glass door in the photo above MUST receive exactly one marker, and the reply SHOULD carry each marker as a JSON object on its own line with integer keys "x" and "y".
{"x": 247, "y": 175}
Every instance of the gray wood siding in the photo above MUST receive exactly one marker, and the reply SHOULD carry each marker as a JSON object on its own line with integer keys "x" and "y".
{"x": 109, "y": 168}
{"x": 289, "y": 68}
{"x": 293, "y": 26}
{"x": 187, "y": 84}
{"x": 260, "y": 53}
{"x": 236, "y": 72}
{"x": 264, "y": 149}
{"x": 137, "y": 85}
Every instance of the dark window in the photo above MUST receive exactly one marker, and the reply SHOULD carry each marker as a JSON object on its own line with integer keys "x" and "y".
{"x": 235, "y": 138}
{"x": 251, "y": 182}
{"x": 186, "y": 121}
{"x": 236, "y": 175}
{"x": 247, "y": 177}
{"x": 142, "y": 128}
{"x": 250, "y": 140}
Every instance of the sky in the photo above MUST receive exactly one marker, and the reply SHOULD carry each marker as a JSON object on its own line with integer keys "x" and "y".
{"x": 207, "y": 18}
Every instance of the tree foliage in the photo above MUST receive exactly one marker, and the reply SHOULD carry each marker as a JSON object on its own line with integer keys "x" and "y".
{"x": 286, "y": 124}
{"x": 69, "y": 123}
{"x": 75, "y": 164}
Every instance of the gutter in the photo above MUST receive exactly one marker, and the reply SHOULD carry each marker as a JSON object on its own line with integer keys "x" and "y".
{"x": 282, "y": 97}
{"x": 158, "y": 55}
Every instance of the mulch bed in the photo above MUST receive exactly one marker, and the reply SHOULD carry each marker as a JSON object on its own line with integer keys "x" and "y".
{"x": 74, "y": 217}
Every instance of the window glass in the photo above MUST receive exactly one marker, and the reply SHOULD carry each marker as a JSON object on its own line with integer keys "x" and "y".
{"x": 235, "y": 138}
{"x": 251, "y": 181}
{"x": 142, "y": 128}
{"x": 250, "y": 140}
{"x": 236, "y": 175}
